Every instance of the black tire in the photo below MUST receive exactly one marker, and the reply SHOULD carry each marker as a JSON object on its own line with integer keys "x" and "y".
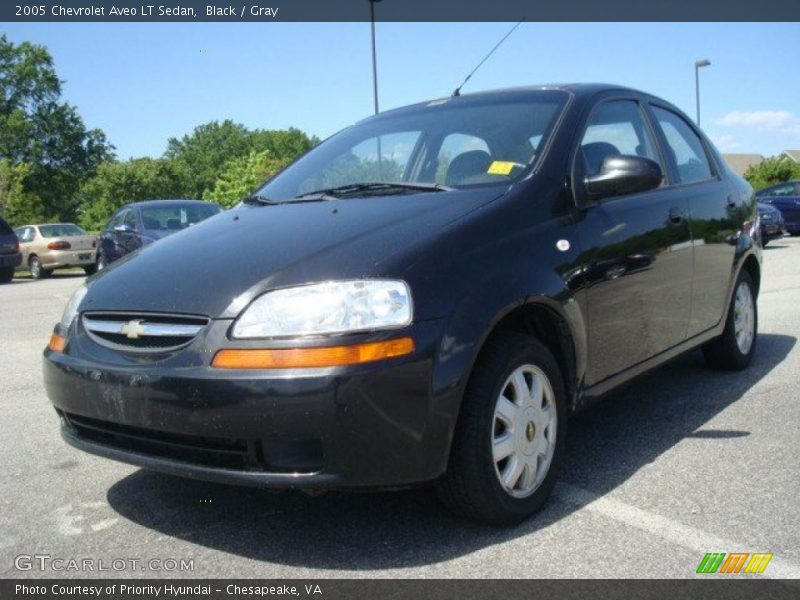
{"x": 724, "y": 352}
{"x": 471, "y": 486}
{"x": 90, "y": 270}
{"x": 6, "y": 274}
{"x": 100, "y": 263}
{"x": 36, "y": 269}
{"x": 764, "y": 243}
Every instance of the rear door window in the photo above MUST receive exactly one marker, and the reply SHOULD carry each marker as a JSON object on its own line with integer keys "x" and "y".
{"x": 685, "y": 146}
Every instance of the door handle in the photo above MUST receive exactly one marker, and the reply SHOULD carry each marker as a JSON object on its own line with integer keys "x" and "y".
{"x": 675, "y": 216}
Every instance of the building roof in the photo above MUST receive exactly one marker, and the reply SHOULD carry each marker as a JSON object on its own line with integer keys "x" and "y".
{"x": 793, "y": 154}
{"x": 741, "y": 162}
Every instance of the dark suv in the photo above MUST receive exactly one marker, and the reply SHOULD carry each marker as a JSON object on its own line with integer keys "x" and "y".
{"x": 10, "y": 256}
{"x": 426, "y": 296}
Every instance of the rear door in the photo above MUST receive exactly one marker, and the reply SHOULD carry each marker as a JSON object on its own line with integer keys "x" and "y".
{"x": 717, "y": 213}
{"x": 637, "y": 250}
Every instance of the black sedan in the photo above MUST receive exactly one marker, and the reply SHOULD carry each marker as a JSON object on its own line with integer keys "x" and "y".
{"x": 424, "y": 297}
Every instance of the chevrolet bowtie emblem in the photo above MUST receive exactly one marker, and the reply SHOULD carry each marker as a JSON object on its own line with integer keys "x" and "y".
{"x": 133, "y": 329}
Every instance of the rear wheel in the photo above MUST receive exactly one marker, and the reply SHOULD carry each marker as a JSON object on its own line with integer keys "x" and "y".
{"x": 510, "y": 435}
{"x": 6, "y": 274}
{"x": 36, "y": 268}
{"x": 734, "y": 349}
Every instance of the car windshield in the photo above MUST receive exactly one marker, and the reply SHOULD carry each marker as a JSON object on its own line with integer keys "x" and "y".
{"x": 450, "y": 143}
{"x": 173, "y": 217}
{"x": 60, "y": 230}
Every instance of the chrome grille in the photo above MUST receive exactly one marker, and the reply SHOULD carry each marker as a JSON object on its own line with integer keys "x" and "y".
{"x": 143, "y": 332}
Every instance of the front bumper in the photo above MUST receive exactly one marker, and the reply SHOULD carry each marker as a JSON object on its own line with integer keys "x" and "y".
{"x": 373, "y": 425}
{"x": 10, "y": 260}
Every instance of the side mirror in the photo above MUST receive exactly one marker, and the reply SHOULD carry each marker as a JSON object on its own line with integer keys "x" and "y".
{"x": 123, "y": 229}
{"x": 623, "y": 174}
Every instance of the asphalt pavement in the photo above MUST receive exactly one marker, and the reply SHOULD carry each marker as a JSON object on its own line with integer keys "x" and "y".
{"x": 681, "y": 462}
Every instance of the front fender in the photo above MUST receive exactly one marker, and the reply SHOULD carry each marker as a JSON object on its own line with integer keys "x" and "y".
{"x": 476, "y": 317}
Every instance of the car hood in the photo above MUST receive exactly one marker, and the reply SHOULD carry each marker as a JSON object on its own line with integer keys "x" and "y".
{"x": 217, "y": 267}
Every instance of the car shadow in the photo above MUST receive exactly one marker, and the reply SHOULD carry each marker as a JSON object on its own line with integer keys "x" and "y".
{"x": 606, "y": 445}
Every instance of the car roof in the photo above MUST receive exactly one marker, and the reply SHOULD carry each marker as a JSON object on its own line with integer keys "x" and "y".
{"x": 574, "y": 89}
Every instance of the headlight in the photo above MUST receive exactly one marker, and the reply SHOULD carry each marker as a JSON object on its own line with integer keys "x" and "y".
{"x": 324, "y": 308}
{"x": 71, "y": 310}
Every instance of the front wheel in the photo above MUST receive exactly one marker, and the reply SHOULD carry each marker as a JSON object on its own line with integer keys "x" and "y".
{"x": 90, "y": 270}
{"x": 510, "y": 435}
{"x": 100, "y": 264}
{"x": 734, "y": 349}
{"x": 6, "y": 274}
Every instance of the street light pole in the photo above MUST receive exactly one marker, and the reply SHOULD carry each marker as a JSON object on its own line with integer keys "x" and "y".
{"x": 374, "y": 60}
{"x": 697, "y": 65}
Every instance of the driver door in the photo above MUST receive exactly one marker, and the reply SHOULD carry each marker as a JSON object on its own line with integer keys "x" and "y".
{"x": 637, "y": 250}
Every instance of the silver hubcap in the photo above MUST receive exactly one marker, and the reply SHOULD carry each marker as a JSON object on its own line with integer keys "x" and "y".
{"x": 524, "y": 431}
{"x": 744, "y": 317}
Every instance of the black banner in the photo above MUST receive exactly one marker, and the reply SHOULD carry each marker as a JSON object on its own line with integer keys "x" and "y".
{"x": 398, "y": 10}
{"x": 733, "y": 588}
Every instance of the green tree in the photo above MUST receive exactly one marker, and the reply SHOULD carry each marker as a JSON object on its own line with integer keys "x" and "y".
{"x": 776, "y": 169}
{"x": 210, "y": 147}
{"x": 242, "y": 176}
{"x": 117, "y": 183}
{"x": 37, "y": 129}
{"x": 17, "y": 205}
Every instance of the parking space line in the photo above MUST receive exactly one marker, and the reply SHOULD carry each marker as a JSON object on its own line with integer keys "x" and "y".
{"x": 683, "y": 535}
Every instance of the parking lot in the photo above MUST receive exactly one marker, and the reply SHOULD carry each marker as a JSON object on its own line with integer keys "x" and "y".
{"x": 682, "y": 462}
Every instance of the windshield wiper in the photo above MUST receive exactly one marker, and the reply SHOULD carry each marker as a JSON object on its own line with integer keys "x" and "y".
{"x": 258, "y": 199}
{"x": 374, "y": 186}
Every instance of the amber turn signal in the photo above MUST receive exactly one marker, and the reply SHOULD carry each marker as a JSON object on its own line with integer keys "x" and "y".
{"x": 57, "y": 343}
{"x": 308, "y": 358}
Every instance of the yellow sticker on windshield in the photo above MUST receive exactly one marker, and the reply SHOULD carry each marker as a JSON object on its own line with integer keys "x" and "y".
{"x": 501, "y": 167}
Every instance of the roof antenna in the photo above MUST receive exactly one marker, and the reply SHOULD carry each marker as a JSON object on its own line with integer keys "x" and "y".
{"x": 457, "y": 91}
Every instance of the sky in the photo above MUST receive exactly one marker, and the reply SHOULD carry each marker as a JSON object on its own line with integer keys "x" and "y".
{"x": 143, "y": 83}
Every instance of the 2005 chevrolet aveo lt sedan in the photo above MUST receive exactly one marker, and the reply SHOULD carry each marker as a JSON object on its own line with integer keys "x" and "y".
{"x": 424, "y": 297}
